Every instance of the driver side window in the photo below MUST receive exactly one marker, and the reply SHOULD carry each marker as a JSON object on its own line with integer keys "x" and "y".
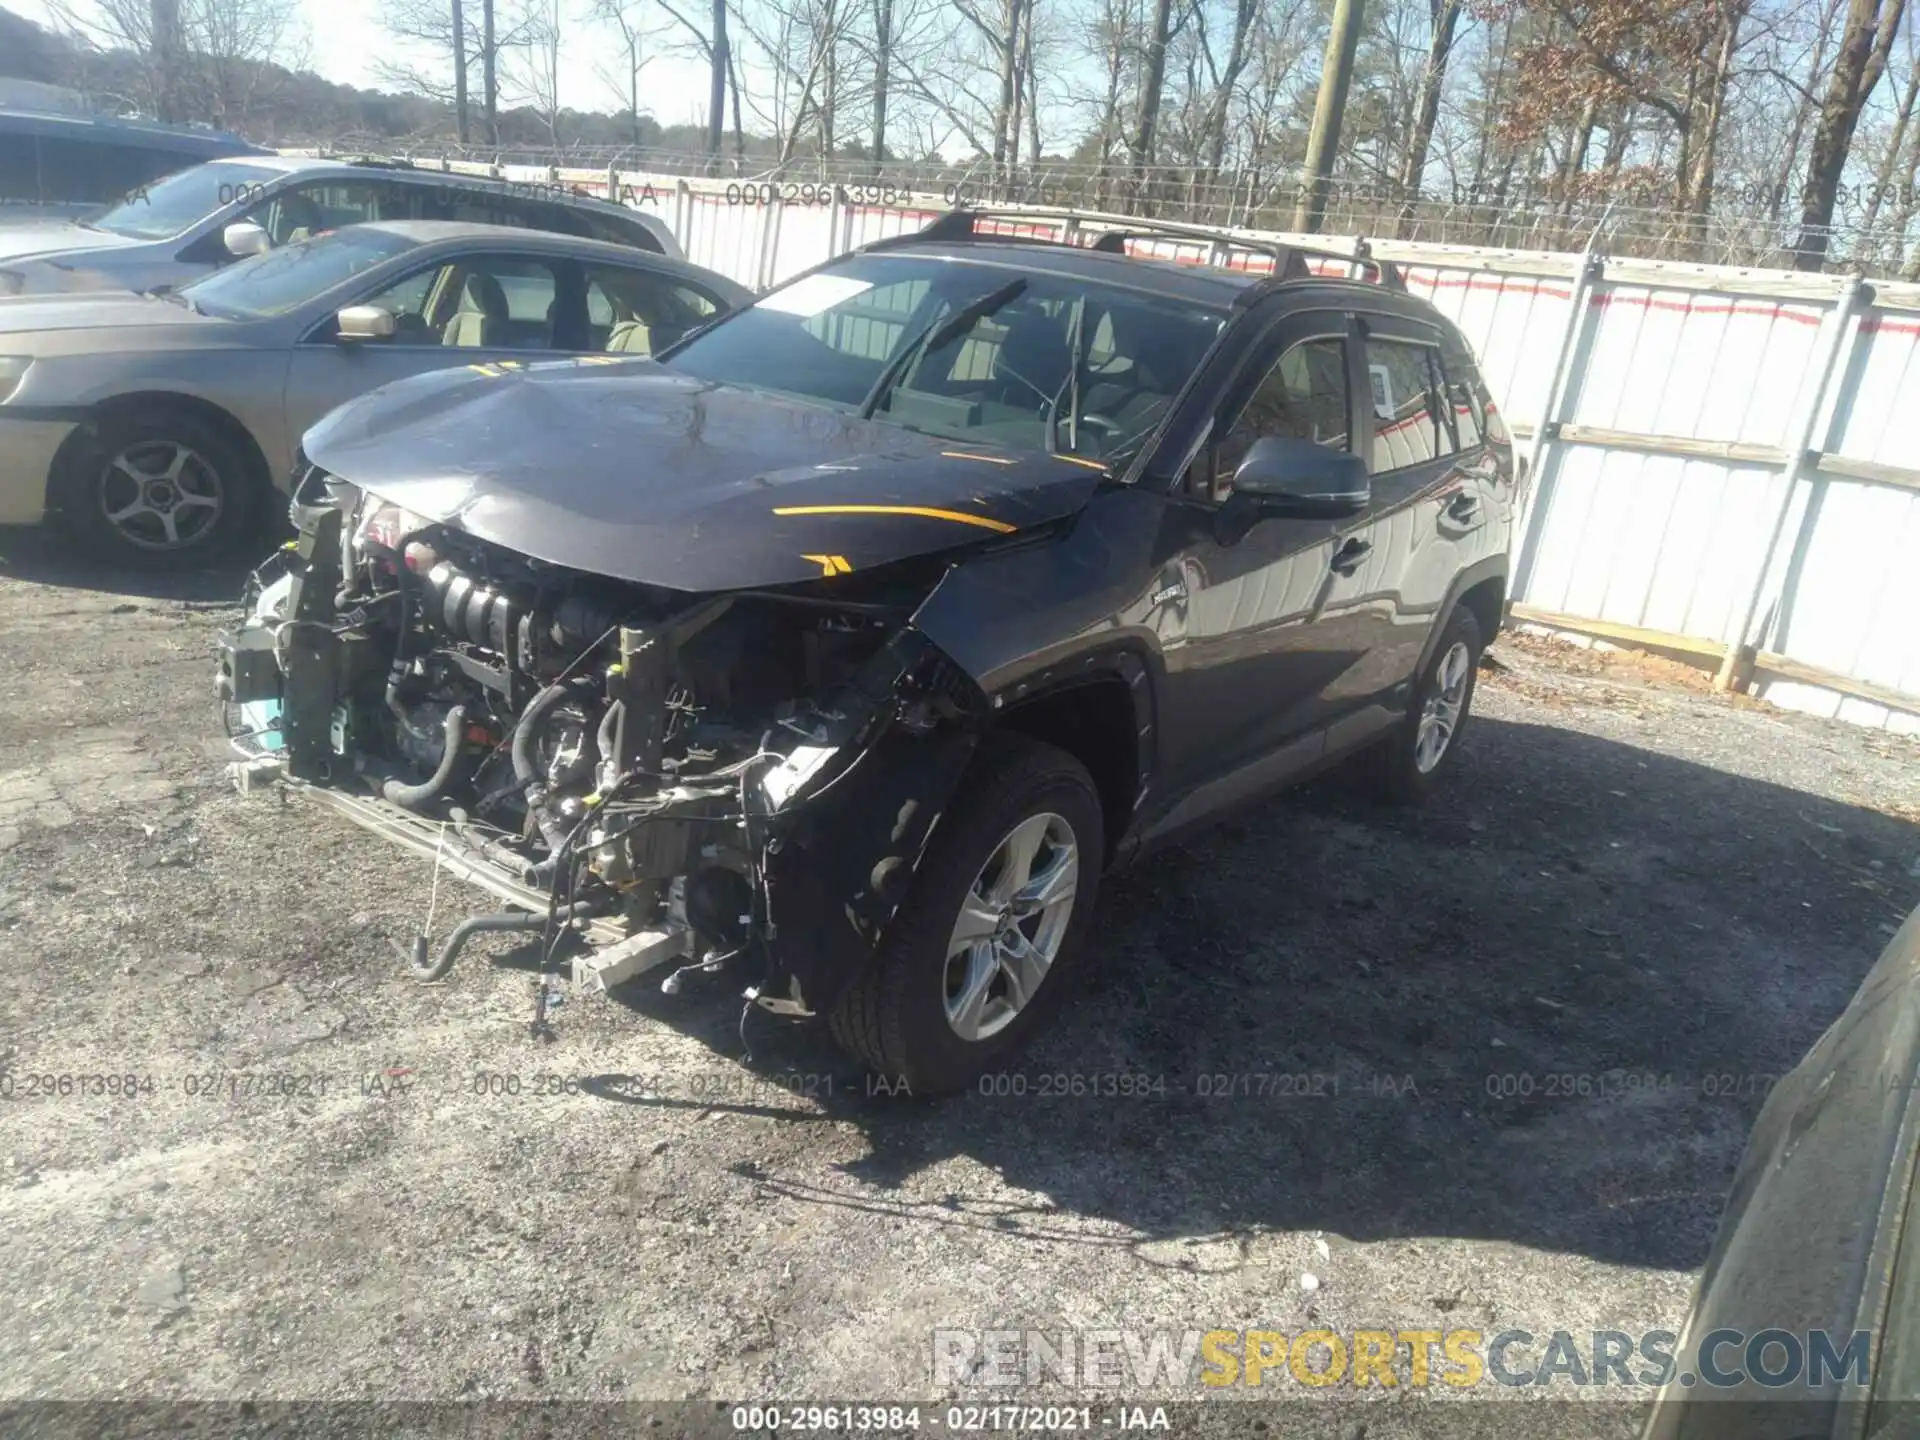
{"x": 1303, "y": 396}
{"x": 409, "y": 302}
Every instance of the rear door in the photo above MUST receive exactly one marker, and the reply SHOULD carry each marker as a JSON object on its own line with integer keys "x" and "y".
{"x": 1428, "y": 498}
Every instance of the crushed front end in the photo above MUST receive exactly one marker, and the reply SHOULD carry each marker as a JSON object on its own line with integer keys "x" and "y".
{"x": 740, "y": 780}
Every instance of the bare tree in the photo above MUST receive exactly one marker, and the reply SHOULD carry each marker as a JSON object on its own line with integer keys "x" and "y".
{"x": 1413, "y": 167}
{"x": 1153, "y": 79}
{"x": 200, "y": 60}
{"x": 444, "y": 30}
{"x": 1871, "y": 26}
{"x": 711, "y": 42}
{"x": 626, "y": 17}
{"x": 534, "y": 64}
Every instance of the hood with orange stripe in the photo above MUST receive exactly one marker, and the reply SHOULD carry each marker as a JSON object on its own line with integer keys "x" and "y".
{"x": 626, "y": 469}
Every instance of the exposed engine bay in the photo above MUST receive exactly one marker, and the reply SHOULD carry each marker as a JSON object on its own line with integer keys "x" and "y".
{"x": 612, "y": 759}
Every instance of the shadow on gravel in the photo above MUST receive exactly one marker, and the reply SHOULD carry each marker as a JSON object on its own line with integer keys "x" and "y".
{"x": 1543, "y": 1010}
{"x": 42, "y": 557}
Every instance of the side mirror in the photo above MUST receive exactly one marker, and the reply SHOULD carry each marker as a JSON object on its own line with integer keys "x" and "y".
{"x": 1301, "y": 479}
{"x": 243, "y": 238}
{"x": 364, "y": 322}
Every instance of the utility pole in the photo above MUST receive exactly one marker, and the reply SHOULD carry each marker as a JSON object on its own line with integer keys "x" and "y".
{"x": 489, "y": 81}
{"x": 460, "y": 69}
{"x": 720, "y": 57}
{"x": 165, "y": 20}
{"x": 1323, "y": 142}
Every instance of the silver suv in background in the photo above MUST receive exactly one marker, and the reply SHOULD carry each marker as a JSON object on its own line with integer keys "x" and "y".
{"x": 164, "y": 234}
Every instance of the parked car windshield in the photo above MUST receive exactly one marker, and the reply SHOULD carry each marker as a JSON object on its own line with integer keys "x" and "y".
{"x": 285, "y": 279}
{"x": 166, "y": 207}
{"x": 1055, "y": 362}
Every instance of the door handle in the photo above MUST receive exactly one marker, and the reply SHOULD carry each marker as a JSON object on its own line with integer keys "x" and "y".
{"x": 1347, "y": 558}
{"x": 1463, "y": 508}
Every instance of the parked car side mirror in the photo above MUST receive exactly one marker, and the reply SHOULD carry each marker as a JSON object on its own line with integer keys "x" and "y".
{"x": 364, "y": 322}
{"x": 243, "y": 238}
{"x": 1298, "y": 478}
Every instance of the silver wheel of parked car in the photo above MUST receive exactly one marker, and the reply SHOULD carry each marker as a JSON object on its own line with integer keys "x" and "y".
{"x": 1011, "y": 922}
{"x": 159, "y": 485}
{"x": 161, "y": 494}
{"x": 1440, "y": 715}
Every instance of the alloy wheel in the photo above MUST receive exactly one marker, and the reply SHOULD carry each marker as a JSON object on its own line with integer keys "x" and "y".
{"x": 1010, "y": 927}
{"x": 161, "y": 495}
{"x": 1440, "y": 715}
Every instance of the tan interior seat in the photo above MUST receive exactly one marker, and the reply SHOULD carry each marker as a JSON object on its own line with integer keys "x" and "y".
{"x": 631, "y": 337}
{"x": 481, "y": 319}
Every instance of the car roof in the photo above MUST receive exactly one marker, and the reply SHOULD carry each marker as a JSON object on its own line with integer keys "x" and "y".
{"x": 556, "y": 192}
{"x": 1203, "y": 284}
{"x": 1156, "y": 275}
{"x": 112, "y": 129}
{"x": 446, "y": 232}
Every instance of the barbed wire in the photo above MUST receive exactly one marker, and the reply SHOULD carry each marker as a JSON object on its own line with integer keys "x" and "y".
{"x": 1747, "y": 226}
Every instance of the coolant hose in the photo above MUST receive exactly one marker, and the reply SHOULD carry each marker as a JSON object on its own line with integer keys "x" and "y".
{"x": 523, "y": 732}
{"x": 426, "y": 970}
{"x": 412, "y": 797}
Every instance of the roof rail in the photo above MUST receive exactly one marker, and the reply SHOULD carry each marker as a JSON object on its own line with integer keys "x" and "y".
{"x": 1289, "y": 260}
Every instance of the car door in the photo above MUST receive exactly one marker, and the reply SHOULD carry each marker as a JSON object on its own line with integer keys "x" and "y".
{"x": 1428, "y": 501}
{"x": 484, "y": 307}
{"x": 1262, "y": 619}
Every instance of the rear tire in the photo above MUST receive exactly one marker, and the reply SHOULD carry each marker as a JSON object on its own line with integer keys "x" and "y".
{"x": 158, "y": 489}
{"x": 1421, "y": 749}
{"x": 984, "y": 949}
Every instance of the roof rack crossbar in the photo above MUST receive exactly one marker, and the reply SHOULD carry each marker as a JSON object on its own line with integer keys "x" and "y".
{"x": 1289, "y": 260}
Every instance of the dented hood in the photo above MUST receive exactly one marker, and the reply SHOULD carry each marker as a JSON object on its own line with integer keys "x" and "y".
{"x": 625, "y": 468}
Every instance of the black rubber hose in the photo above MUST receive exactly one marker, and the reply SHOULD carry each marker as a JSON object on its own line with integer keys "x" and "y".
{"x": 412, "y": 797}
{"x": 506, "y": 920}
{"x": 523, "y": 732}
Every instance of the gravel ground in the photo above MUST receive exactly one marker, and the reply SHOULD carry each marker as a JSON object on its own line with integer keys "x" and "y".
{"x": 308, "y": 1196}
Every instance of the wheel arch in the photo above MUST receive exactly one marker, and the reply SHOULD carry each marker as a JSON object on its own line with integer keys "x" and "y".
{"x": 86, "y": 436}
{"x": 1102, "y": 713}
{"x": 1482, "y": 588}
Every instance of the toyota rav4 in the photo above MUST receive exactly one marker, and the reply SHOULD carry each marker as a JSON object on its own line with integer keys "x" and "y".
{"x": 845, "y": 644}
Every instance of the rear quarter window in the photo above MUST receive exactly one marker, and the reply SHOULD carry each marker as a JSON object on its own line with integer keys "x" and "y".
{"x": 618, "y": 230}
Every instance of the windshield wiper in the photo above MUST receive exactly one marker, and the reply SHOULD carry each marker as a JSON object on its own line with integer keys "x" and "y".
{"x": 935, "y": 335}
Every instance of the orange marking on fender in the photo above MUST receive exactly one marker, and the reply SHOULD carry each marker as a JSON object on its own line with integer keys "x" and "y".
{"x": 998, "y": 526}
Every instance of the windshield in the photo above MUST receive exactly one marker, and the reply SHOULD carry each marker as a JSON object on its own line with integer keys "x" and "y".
{"x": 285, "y": 279}
{"x": 1046, "y": 362}
{"x": 166, "y": 207}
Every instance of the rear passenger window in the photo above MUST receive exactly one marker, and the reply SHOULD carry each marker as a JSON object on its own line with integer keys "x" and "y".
{"x": 638, "y": 312}
{"x": 1406, "y": 413}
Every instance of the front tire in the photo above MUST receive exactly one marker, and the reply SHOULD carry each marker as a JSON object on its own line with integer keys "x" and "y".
{"x": 983, "y": 951}
{"x": 158, "y": 488}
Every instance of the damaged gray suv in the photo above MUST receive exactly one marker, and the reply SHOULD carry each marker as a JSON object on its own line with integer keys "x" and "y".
{"x": 847, "y": 642}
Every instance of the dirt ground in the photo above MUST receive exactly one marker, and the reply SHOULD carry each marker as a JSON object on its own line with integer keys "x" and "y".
{"x": 1535, "y": 1021}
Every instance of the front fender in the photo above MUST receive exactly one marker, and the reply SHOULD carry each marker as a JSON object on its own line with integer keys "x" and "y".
{"x": 837, "y": 874}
